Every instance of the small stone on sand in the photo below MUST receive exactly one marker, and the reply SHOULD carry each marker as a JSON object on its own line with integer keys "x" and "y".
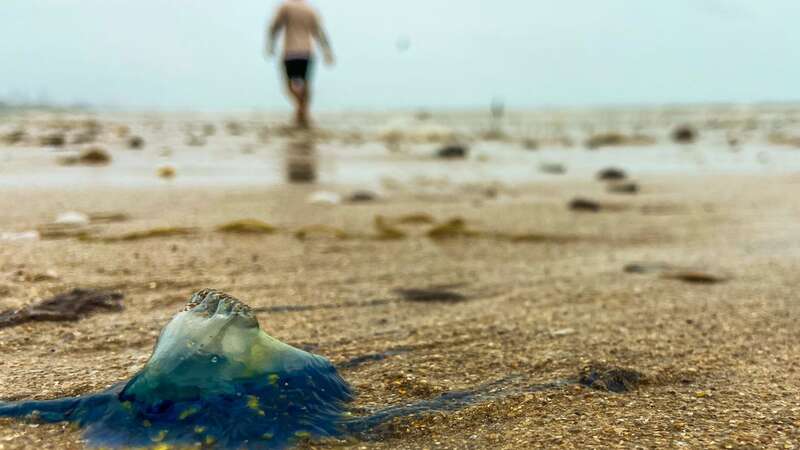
{"x": 452, "y": 152}
{"x": 612, "y": 174}
{"x": 92, "y": 156}
{"x": 585, "y": 205}
{"x": 166, "y": 172}
{"x": 684, "y": 134}
{"x": 362, "y": 197}
{"x": 136, "y": 143}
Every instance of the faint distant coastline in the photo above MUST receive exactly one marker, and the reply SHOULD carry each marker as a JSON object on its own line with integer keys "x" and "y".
{"x": 8, "y": 107}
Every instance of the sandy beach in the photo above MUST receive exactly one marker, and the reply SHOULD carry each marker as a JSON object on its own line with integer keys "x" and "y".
{"x": 686, "y": 291}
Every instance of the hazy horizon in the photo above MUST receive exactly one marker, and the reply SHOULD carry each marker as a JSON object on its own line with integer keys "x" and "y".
{"x": 201, "y": 55}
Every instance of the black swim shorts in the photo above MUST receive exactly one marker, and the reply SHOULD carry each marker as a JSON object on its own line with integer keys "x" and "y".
{"x": 297, "y": 68}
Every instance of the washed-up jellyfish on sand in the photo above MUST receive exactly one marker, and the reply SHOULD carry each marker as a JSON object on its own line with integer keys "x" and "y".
{"x": 215, "y": 379}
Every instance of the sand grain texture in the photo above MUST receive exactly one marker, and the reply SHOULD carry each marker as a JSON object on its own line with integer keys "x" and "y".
{"x": 715, "y": 365}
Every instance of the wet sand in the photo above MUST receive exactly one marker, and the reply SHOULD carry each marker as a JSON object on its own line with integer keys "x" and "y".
{"x": 718, "y": 362}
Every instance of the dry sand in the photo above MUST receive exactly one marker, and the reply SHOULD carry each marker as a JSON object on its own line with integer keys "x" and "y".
{"x": 719, "y": 362}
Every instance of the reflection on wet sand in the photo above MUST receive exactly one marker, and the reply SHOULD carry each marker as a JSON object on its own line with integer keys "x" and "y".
{"x": 301, "y": 160}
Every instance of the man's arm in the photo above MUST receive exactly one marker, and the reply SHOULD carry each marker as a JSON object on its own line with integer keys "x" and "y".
{"x": 324, "y": 43}
{"x": 278, "y": 22}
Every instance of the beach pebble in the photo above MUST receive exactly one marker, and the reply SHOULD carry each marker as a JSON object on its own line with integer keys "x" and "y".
{"x": 95, "y": 155}
{"x": 135, "y": 142}
{"x": 362, "y": 197}
{"x": 92, "y": 156}
{"x": 584, "y": 205}
{"x": 166, "y": 172}
{"x": 684, "y": 134}
{"x": 452, "y": 152}
{"x": 612, "y": 174}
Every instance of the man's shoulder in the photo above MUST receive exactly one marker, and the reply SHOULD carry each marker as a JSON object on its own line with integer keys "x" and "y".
{"x": 300, "y": 6}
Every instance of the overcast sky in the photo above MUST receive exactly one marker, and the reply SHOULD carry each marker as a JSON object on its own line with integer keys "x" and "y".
{"x": 207, "y": 54}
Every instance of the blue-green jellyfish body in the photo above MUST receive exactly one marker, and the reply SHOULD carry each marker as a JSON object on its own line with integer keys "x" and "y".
{"x": 215, "y": 379}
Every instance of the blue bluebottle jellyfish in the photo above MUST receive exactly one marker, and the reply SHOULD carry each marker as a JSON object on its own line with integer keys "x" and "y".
{"x": 215, "y": 379}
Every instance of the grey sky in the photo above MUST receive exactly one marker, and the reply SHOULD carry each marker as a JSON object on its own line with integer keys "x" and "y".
{"x": 206, "y": 54}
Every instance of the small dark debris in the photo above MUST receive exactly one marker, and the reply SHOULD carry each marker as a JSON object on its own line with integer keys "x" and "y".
{"x": 430, "y": 295}
{"x": 612, "y": 174}
{"x": 646, "y": 267}
{"x": 452, "y": 152}
{"x": 611, "y": 379}
{"x": 362, "y": 197}
{"x": 684, "y": 134}
{"x": 108, "y": 217}
{"x": 93, "y": 156}
{"x": 695, "y": 277}
{"x": 135, "y": 143}
{"x": 53, "y": 140}
{"x": 69, "y": 307}
{"x": 623, "y": 188}
{"x": 585, "y": 205}
{"x": 372, "y": 357}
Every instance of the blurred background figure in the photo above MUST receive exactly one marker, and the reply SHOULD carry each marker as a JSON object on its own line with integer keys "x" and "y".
{"x": 301, "y": 27}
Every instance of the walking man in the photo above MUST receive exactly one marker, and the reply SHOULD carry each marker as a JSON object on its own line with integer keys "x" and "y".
{"x": 301, "y": 28}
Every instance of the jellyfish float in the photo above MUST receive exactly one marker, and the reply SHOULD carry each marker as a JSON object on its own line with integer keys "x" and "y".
{"x": 215, "y": 379}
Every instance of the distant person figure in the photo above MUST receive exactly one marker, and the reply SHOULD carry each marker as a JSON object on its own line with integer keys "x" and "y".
{"x": 301, "y": 27}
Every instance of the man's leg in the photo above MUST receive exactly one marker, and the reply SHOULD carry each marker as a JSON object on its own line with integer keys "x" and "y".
{"x": 295, "y": 88}
{"x": 305, "y": 100}
{"x": 300, "y": 90}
